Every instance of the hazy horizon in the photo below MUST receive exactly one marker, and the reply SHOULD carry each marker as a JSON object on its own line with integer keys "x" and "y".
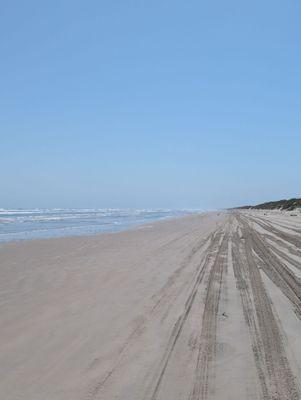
{"x": 160, "y": 105}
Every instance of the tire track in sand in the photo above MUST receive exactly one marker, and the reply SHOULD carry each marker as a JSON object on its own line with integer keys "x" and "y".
{"x": 277, "y": 271}
{"x": 213, "y": 251}
{"x": 274, "y": 373}
{"x": 163, "y": 294}
{"x": 207, "y": 348}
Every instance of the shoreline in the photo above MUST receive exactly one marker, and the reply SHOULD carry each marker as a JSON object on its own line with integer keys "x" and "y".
{"x": 115, "y": 228}
{"x": 125, "y": 229}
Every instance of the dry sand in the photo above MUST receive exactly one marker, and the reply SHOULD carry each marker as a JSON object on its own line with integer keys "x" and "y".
{"x": 201, "y": 307}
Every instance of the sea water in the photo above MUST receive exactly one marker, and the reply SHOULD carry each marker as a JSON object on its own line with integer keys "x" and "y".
{"x": 21, "y": 224}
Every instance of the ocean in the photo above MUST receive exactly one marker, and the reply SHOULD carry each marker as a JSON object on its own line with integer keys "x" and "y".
{"x": 22, "y": 224}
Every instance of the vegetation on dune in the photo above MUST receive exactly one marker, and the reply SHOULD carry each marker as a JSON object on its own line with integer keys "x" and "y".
{"x": 287, "y": 205}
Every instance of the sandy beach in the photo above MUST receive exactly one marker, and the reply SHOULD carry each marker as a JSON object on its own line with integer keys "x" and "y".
{"x": 200, "y": 307}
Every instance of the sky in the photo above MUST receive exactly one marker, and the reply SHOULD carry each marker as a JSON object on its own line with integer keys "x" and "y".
{"x": 149, "y": 104}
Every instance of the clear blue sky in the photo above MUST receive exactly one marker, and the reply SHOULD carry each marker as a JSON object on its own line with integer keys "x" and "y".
{"x": 149, "y": 104}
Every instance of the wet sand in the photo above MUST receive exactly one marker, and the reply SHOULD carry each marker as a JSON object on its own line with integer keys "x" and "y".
{"x": 200, "y": 307}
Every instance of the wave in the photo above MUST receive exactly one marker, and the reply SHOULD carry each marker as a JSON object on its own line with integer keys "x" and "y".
{"x": 18, "y": 224}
